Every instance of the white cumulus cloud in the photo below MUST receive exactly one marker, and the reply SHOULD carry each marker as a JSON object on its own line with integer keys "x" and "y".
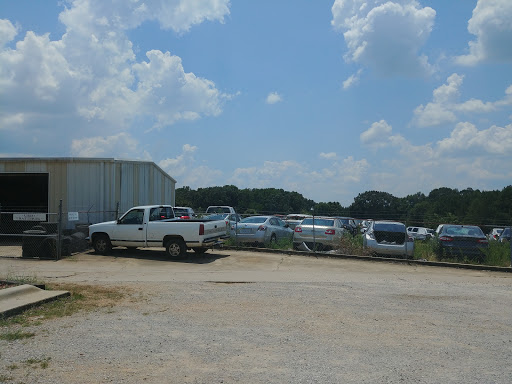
{"x": 377, "y": 135}
{"x": 118, "y": 146}
{"x": 89, "y": 79}
{"x": 328, "y": 156}
{"x": 386, "y": 36}
{"x": 273, "y": 98}
{"x": 466, "y": 137}
{"x": 469, "y": 156}
{"x": 491, "y": 26}
{"x": 445, "y": 106}
{"x": 7, "y": 32}
{"x": 187, "y": 171}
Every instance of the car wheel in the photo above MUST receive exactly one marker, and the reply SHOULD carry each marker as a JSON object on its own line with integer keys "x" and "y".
{"x": 273, "y": 239}
{"x": 200, "y": 251}
{"x": 175, "y": 248}
{"x": 102, "y": 244}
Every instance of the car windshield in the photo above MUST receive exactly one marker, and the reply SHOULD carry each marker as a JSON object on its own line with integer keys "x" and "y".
{"x": 455, "y": 230}
{"x": 389, "y": 227}
{"x": 216, "y": 216}
{"x": 319, "y": 222}
{"x": 345, "y": 221}
{"x": 218, "y": 210}
{"x": 254, "y": 220}
{"x": 294, "y": 217}
{"x": 506, "y": 232}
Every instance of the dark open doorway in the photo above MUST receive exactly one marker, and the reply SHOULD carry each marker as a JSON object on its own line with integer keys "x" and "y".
{"x": 24, "y": 192}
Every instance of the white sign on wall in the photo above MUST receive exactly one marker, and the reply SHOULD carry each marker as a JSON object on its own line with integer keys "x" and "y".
{"x": 29, "y": 216}
{"x": 72, "y": 216}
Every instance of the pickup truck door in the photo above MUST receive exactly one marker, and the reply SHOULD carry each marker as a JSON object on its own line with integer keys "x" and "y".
{"x": 130, "y": 230}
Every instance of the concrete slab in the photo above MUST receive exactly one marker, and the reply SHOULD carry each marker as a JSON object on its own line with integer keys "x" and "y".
{"x": 16, "y": 299}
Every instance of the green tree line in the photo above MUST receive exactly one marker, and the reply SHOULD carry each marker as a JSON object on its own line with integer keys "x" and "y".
{"x": 441, "y": 205}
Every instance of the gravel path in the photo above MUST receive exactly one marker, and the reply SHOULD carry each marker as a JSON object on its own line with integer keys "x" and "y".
{"x": 261, "y": 318}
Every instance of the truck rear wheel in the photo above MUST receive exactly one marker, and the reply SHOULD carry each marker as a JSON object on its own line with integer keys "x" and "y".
{"x": 102, "y": 244}
{"x": 175, "y": 248}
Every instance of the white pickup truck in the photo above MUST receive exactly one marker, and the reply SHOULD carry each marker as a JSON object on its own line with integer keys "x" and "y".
{"x": 156, "y": 226}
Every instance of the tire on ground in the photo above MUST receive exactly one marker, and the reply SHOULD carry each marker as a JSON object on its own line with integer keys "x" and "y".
{"x": 175, "y": 248}
{"x": 101, "y": 244}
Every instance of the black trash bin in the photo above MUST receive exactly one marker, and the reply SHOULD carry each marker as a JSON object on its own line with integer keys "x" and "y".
{"x": 32, "y": 242}
{"x": 48, "y": 248}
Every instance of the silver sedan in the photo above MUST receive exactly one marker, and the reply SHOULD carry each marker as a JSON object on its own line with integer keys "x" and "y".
{"x": 319, "y": 233}
{"x": 262, "y": 230}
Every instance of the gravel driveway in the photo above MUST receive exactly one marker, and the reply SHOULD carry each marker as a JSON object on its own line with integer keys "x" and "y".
{"x": 242, "y": 317}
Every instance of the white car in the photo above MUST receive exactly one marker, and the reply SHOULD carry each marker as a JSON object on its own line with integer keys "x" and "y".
{"x": 419, "y": 233}
{"x": 219, "y": 209}
{"x": 495, "y": 233}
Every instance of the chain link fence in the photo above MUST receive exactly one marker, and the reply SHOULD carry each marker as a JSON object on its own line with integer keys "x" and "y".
{"x": 26, "y": 233}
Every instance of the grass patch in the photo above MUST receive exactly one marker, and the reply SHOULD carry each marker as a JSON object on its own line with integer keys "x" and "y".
{"x": 42, "y": 363}
{"x": 352, "y": 245}
{"x": 12, "y": 278}
{"x": 82, "y": 298}
{"x": 284, "y": 244}
{"x": 424, "y": 250}
{"x": 497, "y": 254}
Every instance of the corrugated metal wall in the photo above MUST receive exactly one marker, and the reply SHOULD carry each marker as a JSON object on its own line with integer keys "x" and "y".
{"x": 95, "y": 186}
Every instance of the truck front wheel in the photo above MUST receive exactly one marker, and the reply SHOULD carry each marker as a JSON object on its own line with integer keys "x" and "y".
{"x": 102, "y": 244}
{"x": 175, "y": 248}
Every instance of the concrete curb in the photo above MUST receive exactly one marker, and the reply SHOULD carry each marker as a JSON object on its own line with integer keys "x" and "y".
{"x": 376, "y": 259}
{"x": 17, "y": 299}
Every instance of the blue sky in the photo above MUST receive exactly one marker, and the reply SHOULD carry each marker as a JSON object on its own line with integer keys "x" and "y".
{"x": 326, "y": 98}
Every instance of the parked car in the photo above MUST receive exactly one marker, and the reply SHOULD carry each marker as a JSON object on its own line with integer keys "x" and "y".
{"x": 231, "y": 219}
{"x": 294, "y": 219}
{"x": 495, "y": 233}
{"x": 219, "y": 209}
{"x": 365, "y": 224}
{"x": 505, "y": 235}
{"x": 388, "y": 238}
{"x": 419, "y": 233}
{"x": 349, "y": 224}
{"x": 456, "y": 240}
{"x": 184, "y": 212}
{"x": 262, "y": 230}
{"x": 320, "y": 233}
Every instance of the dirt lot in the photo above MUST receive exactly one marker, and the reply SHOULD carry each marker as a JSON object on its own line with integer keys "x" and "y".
{"x": 242, "y": 317}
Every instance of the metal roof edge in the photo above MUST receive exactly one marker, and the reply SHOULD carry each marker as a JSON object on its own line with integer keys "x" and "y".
{"x": 85, "y": 159}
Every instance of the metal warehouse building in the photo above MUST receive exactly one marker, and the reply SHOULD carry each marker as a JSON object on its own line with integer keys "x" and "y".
{"x": 92, "y": 187}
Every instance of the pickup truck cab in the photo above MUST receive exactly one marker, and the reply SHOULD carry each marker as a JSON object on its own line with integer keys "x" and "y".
{"x": 157, "y": 226}
{"x": 219, "y": 209}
